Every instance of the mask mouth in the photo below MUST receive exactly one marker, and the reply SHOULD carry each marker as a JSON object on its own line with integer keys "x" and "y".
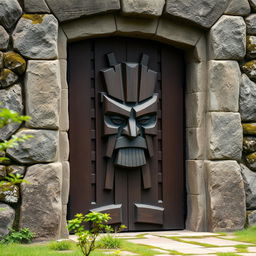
{"x": 130, "y": 157}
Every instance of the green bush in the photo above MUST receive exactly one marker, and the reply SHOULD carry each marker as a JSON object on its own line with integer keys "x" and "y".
{"x": 109, "y": 242}
{"x": 23, "y": 236}
{"x": 61, "y": 245}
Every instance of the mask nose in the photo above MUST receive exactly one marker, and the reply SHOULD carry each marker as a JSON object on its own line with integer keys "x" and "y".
{"x": 131, "y": 129}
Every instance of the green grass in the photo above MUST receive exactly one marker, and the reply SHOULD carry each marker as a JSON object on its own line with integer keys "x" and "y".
{"x": 109, "y": 242}
{"x": 242, "y": 248}
{"x": 62, "y": 245}
{"x": 247, "y": 235}
{"x": 226, "y": 254}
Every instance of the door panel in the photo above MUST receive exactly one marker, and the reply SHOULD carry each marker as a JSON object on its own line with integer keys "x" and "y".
{"x": 149, "y": 197}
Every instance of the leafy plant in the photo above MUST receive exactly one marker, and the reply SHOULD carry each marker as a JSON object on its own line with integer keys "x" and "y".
{"x": 61, "y": 245}
{"x": 22, "y": 236}
{"x": 86, "y": 238}
{"x": 109, "y": 242}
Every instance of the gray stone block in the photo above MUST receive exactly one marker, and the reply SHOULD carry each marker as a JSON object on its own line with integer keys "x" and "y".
{"x": 7, "y": 215}
{"x": 136, "y": 26}
{"x": 64, "y": 116}
{"x": 195, "y": 141}
{"x": 247, "y": 100}
{"x": 253, "y": 4}
{"x": 11, "y": 98}
{"x": 41, "y": 148}
{"x": 250, "y": 22}
{"x": 249, "y": 178}
{"x": 177, "y": 33}
{"x": 64, "y": 234}
{"x": 62, "y": 44}
{"x": 4, "y": 38}
{"x": 226, "y": 196}
{"x": 90, "y": 27}
{"x": 225, "y": 136}
{"x": 196, "y": 213}
{"x": 35, "y": 6}
{"x": 227, "y": 38}
{"x": 72, "y": 9}
{"x": 43, "y": 92}
{"x": 195, "y": 109}
{"x": 65, "y": 182}
{"x": 41, "y": 213}
{"x": 200, "y": 50}
{"x": 223, "y": 82}
{"x": 10, "y": 12}
{"x": 238, "y": 7}
{"x": 63, "y": 146}
{"x": 146, "y": 8}
{"x": 7, "y": 78}
{"x": 251, "y": 218}
{"x": 201, "y": 12}
{"x": 195, "y": 180}
{"x": 41, "y": 46}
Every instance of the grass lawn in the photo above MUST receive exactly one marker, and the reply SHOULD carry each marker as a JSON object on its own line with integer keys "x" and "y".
{"x": 246, "y": 235}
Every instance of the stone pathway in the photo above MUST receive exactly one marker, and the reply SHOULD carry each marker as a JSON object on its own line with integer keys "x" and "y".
{"x": 188, "y": 243}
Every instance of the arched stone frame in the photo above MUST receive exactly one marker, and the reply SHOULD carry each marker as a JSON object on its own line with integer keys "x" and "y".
{"x": 185, "y": 37}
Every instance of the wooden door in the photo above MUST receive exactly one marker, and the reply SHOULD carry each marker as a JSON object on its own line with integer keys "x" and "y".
{"x": 143, "y": 196}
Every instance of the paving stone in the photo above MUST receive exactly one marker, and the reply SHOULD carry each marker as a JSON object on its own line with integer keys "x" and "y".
{"x": 201, "y": 12}
{"x": 72, "y": 9}
{"x": 41, "y": 46}
{"x": 227, "y": 38}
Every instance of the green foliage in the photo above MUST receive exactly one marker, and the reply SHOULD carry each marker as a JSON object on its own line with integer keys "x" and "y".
{"x": 22, "y": 236}
{"x": 109, "y": 242}
{"x": 247, "y": 235}
{"x": 61, "y": 245}
{"x": 86, "y": 238}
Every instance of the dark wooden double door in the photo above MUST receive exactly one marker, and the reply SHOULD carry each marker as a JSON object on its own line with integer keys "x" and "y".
{"x": 160, "y": 206}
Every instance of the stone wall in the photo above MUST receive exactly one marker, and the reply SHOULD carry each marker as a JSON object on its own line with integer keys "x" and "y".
{"x": 218, "y": 39}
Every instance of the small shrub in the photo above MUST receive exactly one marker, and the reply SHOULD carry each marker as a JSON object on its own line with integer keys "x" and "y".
{"x": 109, "y": 242}
{"x": 61, "y": 245}
{"x": 22, "y": 236}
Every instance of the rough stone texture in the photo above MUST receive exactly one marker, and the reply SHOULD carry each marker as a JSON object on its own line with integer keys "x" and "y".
{"x": 227, "y": 209}
{"x": 251, "y": 47}
{"x": 41, "y": 46}
{"x": 10, "y": 11}
{"x": 199, "y": 54}
{"x": 253, "y": 4}
{"x": 4, "y": 38}
{"x": 9, "y": 193}
{"x": 136, "y": 26}
{"x": 249, "y": 129}
{"x": 249, "y": 178}
{"x": 169, "y": 30}
{"x": 7, "y": 215}
{"x": 7, "y": 78}
{"x": 247, "y": 99}
{"x": 63, "y": 146}
{"x": 143, "y": 7}
{"x": 14, "y": 62}
{"x": 195, "y": 108}
{"x": 195, "y": 177}
{"x": 251, "y": 218}
{"x": 225, "y": 136}
{"x": 72, "y": 9}
{"x": 65, "y": 182}
{"x": 42, "y": 148}
{"x": 16, "y": 169}
{"x": 196, "y": 213}
{"x": 250, "y": 69}
{"x": 11, "y": 98}
{"x": 196, "y": 77}
{"x": 62, "y": 44}
{"x": 44, "y": 207}
{"x": 227, "y": 38}
{"x": 251, "y": 161}
{"x": 64, "y": 118}
{"x": 1, "y": 59}
{"x": 63, "y": 72}
{"x": 35, "y": 6}
{"x": 43, "y": 88}
{"x": 90, "y": 26}
{"x": 249, "y": 144}
{"x": 64, "y": 234}
{"x": 2, "y": 171}
{"x": 238, "y": 7}
{"x": 201, "y": 12}
{"x": 195, "y": 138}
{"x": 223, "y": 82}
{"x": 250, "y": 22}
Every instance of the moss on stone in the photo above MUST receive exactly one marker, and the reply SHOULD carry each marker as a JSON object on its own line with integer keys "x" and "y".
{"x": 35, "y": 18}
{"x": 9, "y": 193}
{"x": 251, "y": 158}
{"x": 249, "y": 128}
{"x": 7, "y": 78}
{"x": 15, "y": 62}
{"x": 250, "y": 46}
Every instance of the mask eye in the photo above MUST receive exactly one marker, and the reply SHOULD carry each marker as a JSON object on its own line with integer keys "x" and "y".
{"x": 145, "y": 120}
{"x": 118, "y": 120}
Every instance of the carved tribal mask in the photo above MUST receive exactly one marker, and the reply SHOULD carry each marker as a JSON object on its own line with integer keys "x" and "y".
{"x": 130, "y": 108}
